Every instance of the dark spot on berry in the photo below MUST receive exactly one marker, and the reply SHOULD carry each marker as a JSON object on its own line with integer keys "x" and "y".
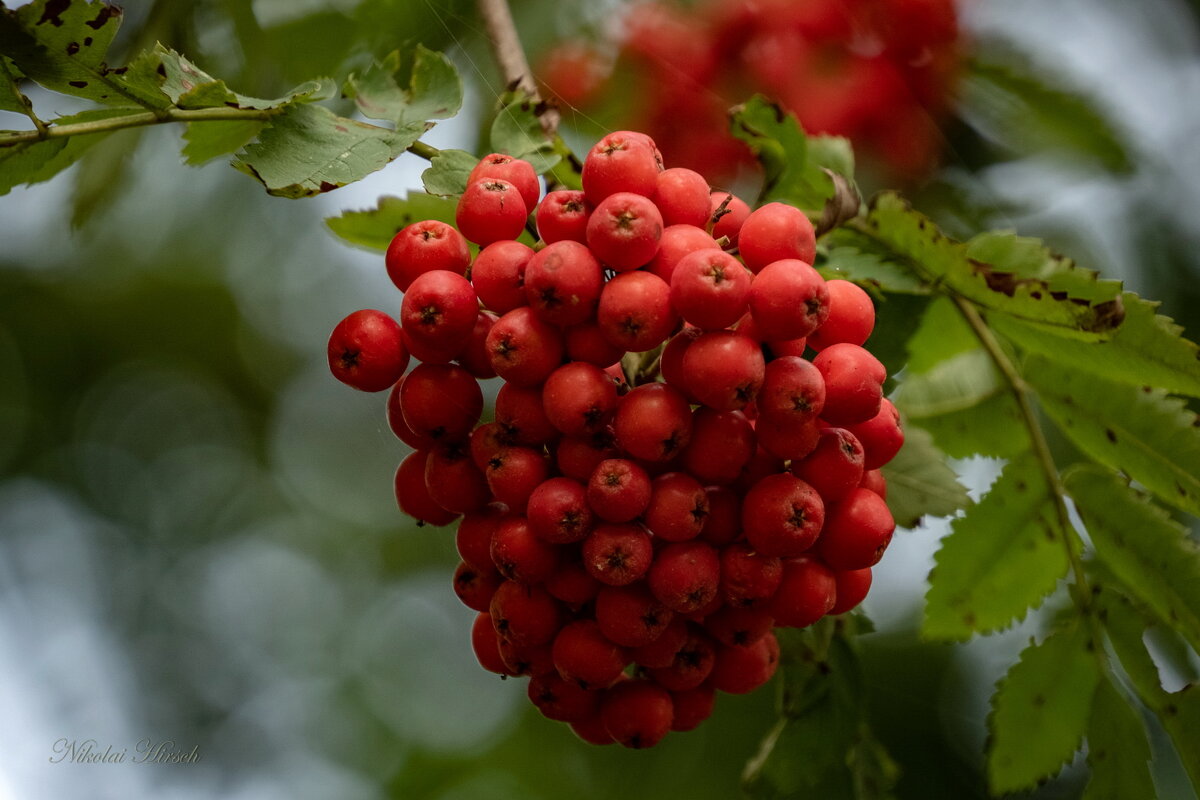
{"x": 349, "y": 359}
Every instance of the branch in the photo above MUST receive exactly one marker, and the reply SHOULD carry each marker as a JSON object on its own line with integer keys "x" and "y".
{"x": 510, "y": 57}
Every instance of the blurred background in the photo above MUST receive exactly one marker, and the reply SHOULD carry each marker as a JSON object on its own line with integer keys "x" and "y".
{"x": 198, "y": 538}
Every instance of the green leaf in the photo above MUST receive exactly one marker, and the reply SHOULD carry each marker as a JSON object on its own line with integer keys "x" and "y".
{"x": 1040, "y": 710}
{"x": 448, "y": 171}
{"x": 1118, "y": 752}
{"x": 34, "y": 162}
{"x": 942, "y": 334}
{"x": 375, "y": 228}
{"x": 779, "y": 143}
{"x": 517, "y": 131}
{"x": 1025, "y": 258}
{"x": 947, "y": 368}
{"x": 308, "y": 149}
{"x": 823, "y": 719}
{"x": 1145, "y": 349}
{"x": 102, "y": 176}
{"x": 408, "y": 94}
{"x": 1142, "y": 432}
{"x": 868, "y": 269}
{"x": 1179, "y": 712}
{"x": 993, "y": 427}
{"x": 1003, "y": 557}
{"x": 63, "y": 45}
{"x": 208, "y": 140}
{"x": 191, "y": 87}
{"x": 1062, "y": 296}
{"x": 11, "y": 97}
{"x": 833, "y": 153}
{"x": 1141, "y": 545}
{"x": 920, "y": 483}
{"x": 1023, "y": 113}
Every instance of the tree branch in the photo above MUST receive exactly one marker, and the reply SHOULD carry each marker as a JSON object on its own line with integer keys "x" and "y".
{"x": 510, "y": 57}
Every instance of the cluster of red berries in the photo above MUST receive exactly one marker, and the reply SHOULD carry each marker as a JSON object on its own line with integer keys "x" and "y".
{"x": 631, "y": 542}
{"x": 880, "y": 72}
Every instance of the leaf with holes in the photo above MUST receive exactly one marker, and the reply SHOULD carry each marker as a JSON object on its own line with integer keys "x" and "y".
{"x": 1139, "y": 543}
{"x": 1003, "y": 557}
{"x": 375, "y": 228}
{"x": 308, "y": 149}
{"x": 1142, "y": 432}
{"x": 1040, "y": 710}
{"x": 63, "y": 46}
{"x": 920, "y": 483}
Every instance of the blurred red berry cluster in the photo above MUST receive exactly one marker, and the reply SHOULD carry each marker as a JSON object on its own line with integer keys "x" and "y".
{"x": 881, "y": 72}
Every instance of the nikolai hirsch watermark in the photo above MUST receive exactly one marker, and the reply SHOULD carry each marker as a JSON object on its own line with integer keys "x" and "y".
{"x": 146, "y": 751}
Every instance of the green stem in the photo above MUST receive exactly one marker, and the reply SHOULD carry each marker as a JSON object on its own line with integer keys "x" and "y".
{"x": 1041, "y": 449}
{"x": 142, "y": 119}
{"x": 138, "y": 120}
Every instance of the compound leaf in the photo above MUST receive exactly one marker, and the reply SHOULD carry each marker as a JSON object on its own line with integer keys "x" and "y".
{"x": 374, "y": 229}
{"x": 1147, "y": 551}
{"x": 1142, "y": 432}
{"x": 1040, "y": 710}
{"x": 1001, "y": 558}
{"x": 308, "y": 149}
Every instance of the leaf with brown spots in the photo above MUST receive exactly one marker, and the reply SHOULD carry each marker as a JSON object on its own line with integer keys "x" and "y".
{"x": 63, "y": 45}
{"x": 1118, "y": 751}
{"x": 1040, "y": 710}
{"x": 1019, "y": 277}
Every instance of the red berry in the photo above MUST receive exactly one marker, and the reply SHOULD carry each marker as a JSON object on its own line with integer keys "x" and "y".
{"x": 710, "y": 289}
{"x": 563, "y": 282}
{"x": 498, "y": 275}
{"x": 739, "y": 626}
{"x": 851, "y": 316}
{"x": 579, "y": 399}
{"x": 412, "y": 494}
{"x": 425, "y": 246}
{"x": 773, "y": 232}
{"x": 520, "y": 555}
{"x": 806, "y": 593}
{"x": 559, "y": 512}
{"x": 835, "y": 467}
{"x": 853, "y": 383}
{"x": 782, "y": 515}
{"x": 521, "y": 414}
{"x": 653, "y": 422}
{"x": 453, "y": 480}
{"x": 692, "y": 707}
{"x": 562, "y": 700}
{"x": 748, "y": 577}
{"x": 440, "y": 401}
{"x": 881, "y": 435}
{"x": 857, "y": 531}
{"x": 617, "y": 554}
{"x": 685, "y": 576}
{"x": 678, "y": 507}
{"x": 586, "y": 658}
{"x": 793, "y": 389}
{"x": 524, "y": 349}
{"x": 635, "y": 312}
{"x": 513, "y": 474}
{"x": 490, "y": 210}
{"x": 366, "y": 351}
{"x": 563, "y": 216}
{"x": 618, "y": 490}
{"x": 475, "y": 587}
{"x": 637, "y": 714}
{"x": 682, "y": 197}
{"x": 525, "y": 615}
{"x": 678, "y": 241}
{"x": 630, "y": 615}
{"x": 852, "y": 588}
{"x": 439, "y": 310}
{"x": 661, "y": 652}
{"x": 721, "y": 445}
{"x": 724, "y": 370}
{"x": 621, "y": 162}
{"x": 742, "y": 669}
{"x": 486, "y": 645}
{"x": 516, "y": 171}
{"x": 624, "y": 231}
{"x": 692, "y": 664}
{"x": 473, "y": 539}
{"x": 788, "y": 300}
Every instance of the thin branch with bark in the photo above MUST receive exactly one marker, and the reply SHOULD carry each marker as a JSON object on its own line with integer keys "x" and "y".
{"x": 510, "y": 57}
